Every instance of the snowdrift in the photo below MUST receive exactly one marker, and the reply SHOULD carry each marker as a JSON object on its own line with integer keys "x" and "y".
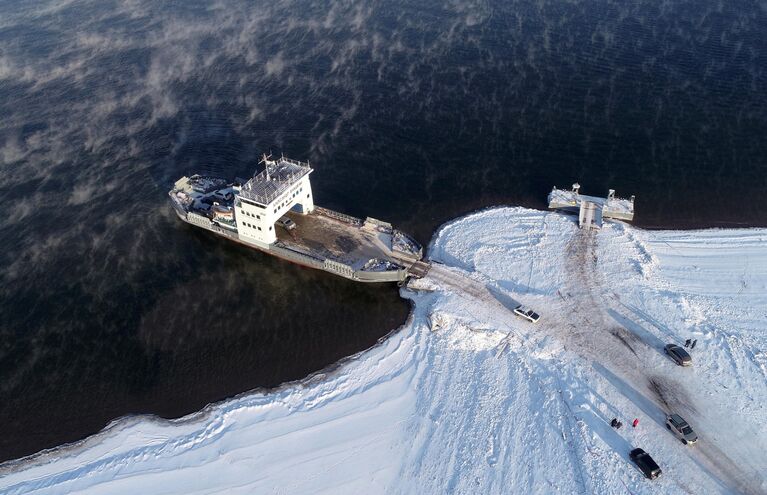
{"x": 468, "y": 398}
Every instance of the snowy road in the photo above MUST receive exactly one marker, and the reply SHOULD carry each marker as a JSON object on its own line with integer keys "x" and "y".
{"x": 468, "y": 398}
{"x": 625, "y": 346}
{"x": 621, "y": 345}
{"x": 591, "y": 321}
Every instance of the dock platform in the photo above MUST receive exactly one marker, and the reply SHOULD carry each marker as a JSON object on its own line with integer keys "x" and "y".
{"x": 592, "y": 209}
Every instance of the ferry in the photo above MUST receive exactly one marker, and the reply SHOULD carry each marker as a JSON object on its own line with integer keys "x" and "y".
{"x": 274, "y": 212}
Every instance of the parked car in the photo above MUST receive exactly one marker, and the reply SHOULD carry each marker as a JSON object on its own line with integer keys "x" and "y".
{"x": 526, "y": 313}
{"x": 286, "y": 223}
{"x": 228, "y": 196}
{"x": 645, "y": 463}
{"x": 681, "y": 429}
{"x": 678, "y": 354}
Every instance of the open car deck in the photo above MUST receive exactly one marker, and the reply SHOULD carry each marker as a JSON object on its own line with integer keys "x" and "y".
{"x": 362, "y": 246}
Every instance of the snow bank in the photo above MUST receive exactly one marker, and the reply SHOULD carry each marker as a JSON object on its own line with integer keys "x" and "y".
{"x": 466, "y": 398}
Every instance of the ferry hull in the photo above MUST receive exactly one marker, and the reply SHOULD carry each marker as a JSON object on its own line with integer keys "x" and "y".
{"x": 299, "y": 259}
{"x": 274, "y": 212}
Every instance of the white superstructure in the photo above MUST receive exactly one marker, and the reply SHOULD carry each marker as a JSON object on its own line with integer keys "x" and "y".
{"x": 261, "y": 201}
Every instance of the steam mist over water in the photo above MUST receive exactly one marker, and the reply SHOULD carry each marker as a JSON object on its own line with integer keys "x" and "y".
{"x": 412, "y": 112}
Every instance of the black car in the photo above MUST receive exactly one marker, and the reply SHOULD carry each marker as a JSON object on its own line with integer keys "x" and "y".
{"x": 679, "y": 355}
{"x": 645, "y": 463}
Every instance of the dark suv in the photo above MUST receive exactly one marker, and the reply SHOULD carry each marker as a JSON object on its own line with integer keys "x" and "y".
{"x": 678, "y": 354}
{"x": 645, "y": 463}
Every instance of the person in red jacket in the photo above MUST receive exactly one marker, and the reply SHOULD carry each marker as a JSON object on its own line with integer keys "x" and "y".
{"x": 635, "y": 423}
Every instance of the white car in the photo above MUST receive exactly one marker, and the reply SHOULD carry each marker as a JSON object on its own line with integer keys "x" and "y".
{"x": 526, "y": 313}
{"x": 681, "y": 429}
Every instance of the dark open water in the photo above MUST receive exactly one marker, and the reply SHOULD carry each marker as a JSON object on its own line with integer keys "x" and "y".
{"x": 411, "y": 111}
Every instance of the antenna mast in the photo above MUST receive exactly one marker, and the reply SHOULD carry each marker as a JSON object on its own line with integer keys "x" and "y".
{"x": 265, "y": 160}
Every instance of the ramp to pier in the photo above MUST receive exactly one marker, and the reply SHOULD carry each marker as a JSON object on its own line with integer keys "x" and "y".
{"x": 419, "y": 269}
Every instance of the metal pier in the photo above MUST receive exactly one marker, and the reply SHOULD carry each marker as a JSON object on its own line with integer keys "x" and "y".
{"x": 591, "y": 209}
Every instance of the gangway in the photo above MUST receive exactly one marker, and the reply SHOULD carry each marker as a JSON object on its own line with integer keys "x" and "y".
{"x": 419, "y": 269}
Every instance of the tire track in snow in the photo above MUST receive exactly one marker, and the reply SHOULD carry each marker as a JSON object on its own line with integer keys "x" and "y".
{"x": 669, "y": 395}
{"x": 585, "y": 320}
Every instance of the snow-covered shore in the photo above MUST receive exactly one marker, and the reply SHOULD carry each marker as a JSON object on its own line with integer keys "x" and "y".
{"x": 467, "y": 398}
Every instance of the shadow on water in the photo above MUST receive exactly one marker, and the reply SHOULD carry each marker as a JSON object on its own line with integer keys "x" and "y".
{"x": 228, "y": 320}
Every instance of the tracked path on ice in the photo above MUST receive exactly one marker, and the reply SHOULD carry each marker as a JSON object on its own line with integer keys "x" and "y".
{"x": 623, "y": 344}
{"x": 660, "y": 387}
{"x": 468, "y": 398}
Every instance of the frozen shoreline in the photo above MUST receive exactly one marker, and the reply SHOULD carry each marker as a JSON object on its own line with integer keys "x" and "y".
{"x": 467, "y": 398}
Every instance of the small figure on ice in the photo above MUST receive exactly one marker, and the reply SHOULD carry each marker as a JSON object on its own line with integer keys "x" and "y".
{"x": 635, "y": 423}
{"x": 687, "y": 342}
{"x": 692, "y": 346}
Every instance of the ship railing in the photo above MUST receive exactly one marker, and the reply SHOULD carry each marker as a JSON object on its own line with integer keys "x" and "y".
{"x": 382, "y": 226}
{"x": 295, "y": 162}
{"x": 299, "y": 255}
{"x": 267, "y": 198}
{"x": 342, "y": 217}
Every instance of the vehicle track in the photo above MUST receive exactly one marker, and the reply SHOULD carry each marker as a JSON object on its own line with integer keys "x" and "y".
{"x": 589, "y": 292}
{"x": 584, "y": 319}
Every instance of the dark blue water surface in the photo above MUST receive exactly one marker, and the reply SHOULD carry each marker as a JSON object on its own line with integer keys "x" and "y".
{"x": 410, "y": 111}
